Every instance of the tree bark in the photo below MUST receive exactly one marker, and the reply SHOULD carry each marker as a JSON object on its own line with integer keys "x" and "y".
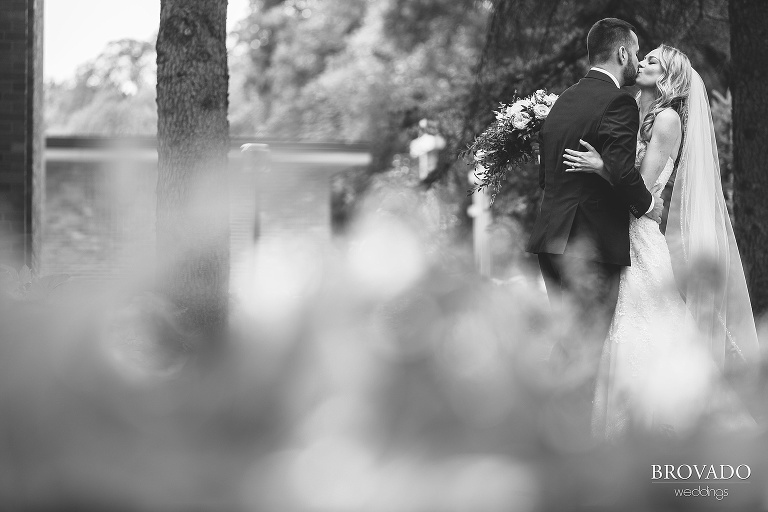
{"x": 193, "y": 141}
{"x": 749, "y": 87}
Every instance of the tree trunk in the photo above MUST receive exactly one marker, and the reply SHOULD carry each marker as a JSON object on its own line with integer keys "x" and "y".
{"x": 193, "y": 140}
{"x": 749, "y": 87}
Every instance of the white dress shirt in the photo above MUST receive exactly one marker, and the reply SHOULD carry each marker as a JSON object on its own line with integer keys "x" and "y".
{"x": 616, "y": 81}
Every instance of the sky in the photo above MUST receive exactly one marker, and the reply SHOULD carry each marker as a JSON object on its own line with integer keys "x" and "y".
{"x": 76, "y": 31}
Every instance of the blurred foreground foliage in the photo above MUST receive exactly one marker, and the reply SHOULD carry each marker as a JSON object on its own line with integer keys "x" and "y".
{"x": 374, "y": 373}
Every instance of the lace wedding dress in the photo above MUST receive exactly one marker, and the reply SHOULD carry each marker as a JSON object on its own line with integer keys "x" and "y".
{"x": 652, "y": 374}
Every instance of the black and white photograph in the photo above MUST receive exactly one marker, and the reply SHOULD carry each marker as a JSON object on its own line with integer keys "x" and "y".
{"x": 383, "y": 255}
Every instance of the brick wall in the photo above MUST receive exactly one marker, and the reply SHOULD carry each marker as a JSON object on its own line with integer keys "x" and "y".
{"x": 21, "y": 173}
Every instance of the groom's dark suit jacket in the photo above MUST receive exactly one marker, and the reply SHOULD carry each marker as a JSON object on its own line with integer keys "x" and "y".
{"x": 582, "y": 207}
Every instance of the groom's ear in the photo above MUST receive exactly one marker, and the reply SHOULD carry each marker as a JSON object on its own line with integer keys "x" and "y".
{"x": 623, "y": 55}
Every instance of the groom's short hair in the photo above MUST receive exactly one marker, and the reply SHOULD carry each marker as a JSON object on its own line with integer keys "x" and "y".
{"x": 605, "y": 37}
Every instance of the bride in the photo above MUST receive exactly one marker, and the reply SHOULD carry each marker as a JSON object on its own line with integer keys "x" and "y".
{"x": 683, "y": 313}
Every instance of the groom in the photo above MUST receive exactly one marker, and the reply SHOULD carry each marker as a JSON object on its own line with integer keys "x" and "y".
{"x": 581, "y": 234}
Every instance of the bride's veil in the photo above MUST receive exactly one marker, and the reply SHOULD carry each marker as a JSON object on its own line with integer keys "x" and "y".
{"x": 705, "y": 257}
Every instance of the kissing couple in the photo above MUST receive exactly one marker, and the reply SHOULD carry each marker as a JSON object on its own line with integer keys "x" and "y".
{"x": 664, "y": 314}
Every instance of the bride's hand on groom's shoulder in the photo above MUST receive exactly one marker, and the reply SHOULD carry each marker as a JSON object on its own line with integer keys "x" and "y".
{"x": 585, "y": 161}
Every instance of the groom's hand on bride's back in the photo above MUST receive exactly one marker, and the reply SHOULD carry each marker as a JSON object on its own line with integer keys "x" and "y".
{"x": 658, "y": 204}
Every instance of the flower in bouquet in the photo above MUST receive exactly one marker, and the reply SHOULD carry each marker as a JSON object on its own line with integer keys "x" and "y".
{"x": 515, "y": 108}
{"x": 521, "y": 120}
{"x": 541, "y": 110}
{"x": 509, "y": 111}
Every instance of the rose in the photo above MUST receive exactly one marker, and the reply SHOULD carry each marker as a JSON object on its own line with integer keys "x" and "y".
{"x": 521, "y": 120}
{"x": 550, "y": 99}
{"x": 541, "y": 111}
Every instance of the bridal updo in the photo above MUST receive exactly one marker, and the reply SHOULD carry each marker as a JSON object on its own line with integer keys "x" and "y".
{"x": 672, "y": 87}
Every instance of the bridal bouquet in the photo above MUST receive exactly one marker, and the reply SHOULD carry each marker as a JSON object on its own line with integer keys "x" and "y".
{"x": 510, "y": 141}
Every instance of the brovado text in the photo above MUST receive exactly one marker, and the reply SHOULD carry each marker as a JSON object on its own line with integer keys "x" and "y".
{"x": 700, "y": 472}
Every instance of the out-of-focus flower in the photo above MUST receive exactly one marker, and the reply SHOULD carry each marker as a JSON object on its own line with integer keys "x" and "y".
{"x": 386, "y": 257}
{"x": 281, "y": 275}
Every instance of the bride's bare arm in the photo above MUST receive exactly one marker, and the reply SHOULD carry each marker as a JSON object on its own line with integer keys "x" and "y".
{"x": 664, "y": 143}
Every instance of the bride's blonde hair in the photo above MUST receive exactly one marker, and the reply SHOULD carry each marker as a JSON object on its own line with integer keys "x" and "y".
{"x": 672, "y": 88}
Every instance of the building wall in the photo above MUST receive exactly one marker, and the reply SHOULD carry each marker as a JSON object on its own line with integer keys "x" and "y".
{"x": 99, "y": 217}
{"x": 21, "y": 172}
